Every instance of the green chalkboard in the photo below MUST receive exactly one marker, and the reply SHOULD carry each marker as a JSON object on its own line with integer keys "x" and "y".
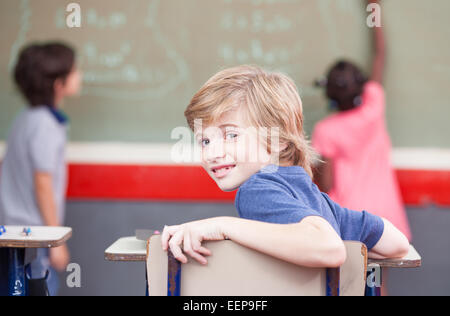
{"x": 144, "y": 59}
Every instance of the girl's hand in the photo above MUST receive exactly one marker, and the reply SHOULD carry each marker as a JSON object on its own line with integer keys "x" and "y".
{"x": 190, "y": 237}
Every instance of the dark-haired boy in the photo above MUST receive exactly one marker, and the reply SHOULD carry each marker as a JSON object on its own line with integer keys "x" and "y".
{"x": 33, "y": 174}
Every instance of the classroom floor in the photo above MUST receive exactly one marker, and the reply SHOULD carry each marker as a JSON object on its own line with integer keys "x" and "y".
{"x": 96, "y": 225}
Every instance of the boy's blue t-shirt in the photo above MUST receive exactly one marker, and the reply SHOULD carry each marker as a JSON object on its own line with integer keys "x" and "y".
{"x": 286, "y": 195}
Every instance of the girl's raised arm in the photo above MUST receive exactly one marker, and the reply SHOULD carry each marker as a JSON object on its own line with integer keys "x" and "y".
{"x": 378, "y": 63}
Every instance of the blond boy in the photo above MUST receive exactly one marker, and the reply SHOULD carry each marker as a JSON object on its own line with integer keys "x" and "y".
{"x": 283, "y": 213}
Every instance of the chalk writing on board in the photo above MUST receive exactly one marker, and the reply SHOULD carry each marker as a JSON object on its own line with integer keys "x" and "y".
{"x": 115, "y": 64}
{"x": 258, "y": 21}
{"x": 127, "y": 52}
{"x": 253, "y": 35}
{"x": 325, "y": 8}
{"x": 115, "y": 73}
{"x": 23, "y": 30}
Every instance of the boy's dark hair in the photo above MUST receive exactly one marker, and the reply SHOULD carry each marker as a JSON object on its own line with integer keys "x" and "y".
{"x": 37, "y": 69}
{"x": 345, "y": 84}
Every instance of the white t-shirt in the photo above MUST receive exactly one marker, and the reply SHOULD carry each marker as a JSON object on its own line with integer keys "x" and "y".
{"x": 36, "y": 143}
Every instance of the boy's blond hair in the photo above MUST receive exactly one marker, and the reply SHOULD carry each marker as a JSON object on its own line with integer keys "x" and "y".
{"x": 268, "y": 99}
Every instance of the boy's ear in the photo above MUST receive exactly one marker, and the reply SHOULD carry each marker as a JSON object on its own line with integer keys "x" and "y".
{"x": 58, "y": 85}
{"x": 275, "y": 152}
{"x": 281, "y": 146}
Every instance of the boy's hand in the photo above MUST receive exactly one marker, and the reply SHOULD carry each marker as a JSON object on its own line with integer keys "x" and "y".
{"x": 59, "y": 258}
{"x": 190, "y": 236}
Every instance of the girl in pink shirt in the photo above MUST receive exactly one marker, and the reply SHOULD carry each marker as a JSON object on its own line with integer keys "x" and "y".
{"x": 355, "y": 145}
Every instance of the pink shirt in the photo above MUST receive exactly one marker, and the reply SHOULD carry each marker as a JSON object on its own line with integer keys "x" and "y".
{"x": 358, "y": 143}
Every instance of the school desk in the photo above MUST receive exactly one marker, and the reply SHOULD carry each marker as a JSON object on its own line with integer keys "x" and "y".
{"x": 128, "y": 249}
{"x": 411, "y": 260}
{"x": 132, "y": 249}
{"x": 21, "y": 250}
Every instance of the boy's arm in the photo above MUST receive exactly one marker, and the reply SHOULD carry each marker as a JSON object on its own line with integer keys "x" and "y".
{"x": 378, "y": 63}
{"x": 312, "y": 242}
{"x": 392, "y": 244}
{"x": 45, "y": 198}
{"x": 59, "y": 257}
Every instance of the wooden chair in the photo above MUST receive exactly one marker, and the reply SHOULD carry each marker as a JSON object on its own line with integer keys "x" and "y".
{"x": 234, "y": 270}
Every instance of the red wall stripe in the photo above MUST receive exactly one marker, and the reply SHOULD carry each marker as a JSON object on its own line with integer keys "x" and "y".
{"x": 192, "y": 183}
{"x": 423, "y": 187}
{"x": 118, "y": 182}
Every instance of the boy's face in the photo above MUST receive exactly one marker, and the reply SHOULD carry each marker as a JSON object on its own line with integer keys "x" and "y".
{"x": 73, "y": 83}
{"x": 71, "y": 86}
{"x": 231, "y": 150}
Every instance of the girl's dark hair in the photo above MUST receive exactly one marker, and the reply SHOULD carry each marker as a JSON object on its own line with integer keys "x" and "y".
{"x": 37, "y": 69}
{"x": 345, "y": 84}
